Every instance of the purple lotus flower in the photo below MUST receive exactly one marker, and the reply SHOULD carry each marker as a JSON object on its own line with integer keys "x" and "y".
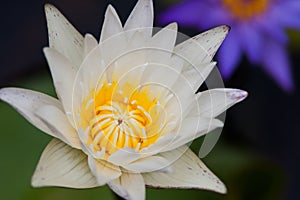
{"x": 258, "y": 30}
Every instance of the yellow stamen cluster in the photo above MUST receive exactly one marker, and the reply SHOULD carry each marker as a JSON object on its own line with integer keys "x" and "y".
{"x": 246, "y": 9}
{"x": 116, "y": 118}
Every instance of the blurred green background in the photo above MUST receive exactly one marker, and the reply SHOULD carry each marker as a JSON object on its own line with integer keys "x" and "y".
{"x": 257, "y": 156}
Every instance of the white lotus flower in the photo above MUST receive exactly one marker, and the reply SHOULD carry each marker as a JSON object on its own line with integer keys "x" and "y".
{"x": 126, "y": 107}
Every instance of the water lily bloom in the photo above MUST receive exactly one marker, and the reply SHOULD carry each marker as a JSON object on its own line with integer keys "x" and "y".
{"x": 257, "y": 30}
{"x": 127, "y": 105}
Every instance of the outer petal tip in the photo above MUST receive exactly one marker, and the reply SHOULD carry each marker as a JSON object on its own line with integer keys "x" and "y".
{"x": 227, "y": 27}
{"x": 110, "y": 8}
{"x": 48, "y": 6}
{"x": 2, "y": 93}
{"x": 173, "y": 26}
{"x": 46, "y": 49}
{"x": 35, "y": 182}
{"x": 217, "y": 123}
{"x": 224, "y": 190}
{"x": 238, "y": 95}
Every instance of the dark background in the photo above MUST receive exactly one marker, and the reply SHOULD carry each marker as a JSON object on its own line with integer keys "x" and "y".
{"x": 257, "y": 157}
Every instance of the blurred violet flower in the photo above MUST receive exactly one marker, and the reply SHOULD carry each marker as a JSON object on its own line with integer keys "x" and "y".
{"x": 258, "y": 30}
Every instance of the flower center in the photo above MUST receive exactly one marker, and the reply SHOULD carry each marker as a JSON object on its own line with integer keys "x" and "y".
{"x": 116, "y": 118}
{"x": 246, "y": 9}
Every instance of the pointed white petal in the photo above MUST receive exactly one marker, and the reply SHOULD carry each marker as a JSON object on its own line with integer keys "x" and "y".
{"x": 201, "y": 48}
{"x": 212, "y": 103}
{"x": 212, "y": 39}
{"x": 149, "y": 164}
{"x": 119, "y": 44}
{"x": 141, "y": 51}
{"x": 187, "y": 172}
{"x": 63, "y": 75}
{"x": 141, "y": 17}
{"x": 156, "y": 55}
{"x": 129, "y": 186}
{"x": 103, "y": 171}
{"x": 89, "y": 44}
{"x": 63, "y": 37}
{"x": 27, "y": 102}
{"x": 61, "y": 165}
{"x": 197, "y": 54}
{"x": 164, "y": 41}
{"x": 58, "y": 123}
{"x": 131, "y": 60}
{"x": 111, "y": 25}
{"x": 98, "y": 65}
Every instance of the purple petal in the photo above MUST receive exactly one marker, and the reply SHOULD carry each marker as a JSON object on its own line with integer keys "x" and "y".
{"x": 186, "y": 13}
{"x": 277, "y": 65}
{"x": 229, "y": 54}
{"x": 273, "y": 29}
{"x": 287, "y": 15}
{"x": 251, "y": 41}
{"x": 292, "y": 6}
{"x": 214, "y": 16}
{"x": 202, "y": 14}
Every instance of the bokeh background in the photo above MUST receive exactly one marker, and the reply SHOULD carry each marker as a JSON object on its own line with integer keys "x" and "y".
{"x": 257, "y": 157}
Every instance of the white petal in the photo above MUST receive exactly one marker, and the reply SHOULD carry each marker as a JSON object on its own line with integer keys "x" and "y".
{"x": 149, "y": 164}
{"x": 162, "y": 45}
{"x": 193, "y": 128}
{"x": 129, "y": 186}
{"x": 201, "y": 48}
{"x": 90, "y": 73}
{"x": 130, "y": 61}
{"x": 119, "y": 42}
{"x": 89, "y": 44}
{"x": 156, "y": 73}
{"x": 213, "y": 102}
{"x": 184, "y": 92}
{"x": 58, "y": 123}
{"x": 123, "y": 156}
{"x": 111, "y": 25}
{"x": 190, "y": 129}
{"x": 27, "y": 102}
{"x": 103, "y": 171}
{"x": 197, "y": 54}
{"x": 63, "y": 74}
{"x": 212, "y": 39}
{"x": 141, "y": 18}
{"x": 83, "y": 136}
{"x": 198, "y": 74}
{"x": 99, "y": 64}
{"x": 187, "y": 172}
{"x": 61, "y": 165}
{"x": 63, "y": 37}
{"x": 141, "y": 51}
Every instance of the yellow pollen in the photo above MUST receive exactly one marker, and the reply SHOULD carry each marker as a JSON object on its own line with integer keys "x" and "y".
{"x": 246, "y": 9}
{"x": 119, "y": 119}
